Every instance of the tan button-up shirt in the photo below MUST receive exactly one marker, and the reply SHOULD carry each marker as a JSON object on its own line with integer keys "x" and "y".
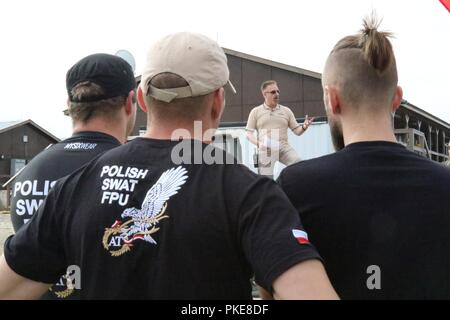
{"x": 272, "y": 123}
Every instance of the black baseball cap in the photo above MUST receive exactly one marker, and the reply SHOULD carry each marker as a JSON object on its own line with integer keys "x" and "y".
{"x": 112, "y": 73}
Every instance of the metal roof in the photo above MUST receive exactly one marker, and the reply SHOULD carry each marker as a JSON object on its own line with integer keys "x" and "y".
{"x": 9, "y": 125}
{"x": 6, "y": 125}
{"x": 272, "y": 63}
{"x": 413, "y": 108}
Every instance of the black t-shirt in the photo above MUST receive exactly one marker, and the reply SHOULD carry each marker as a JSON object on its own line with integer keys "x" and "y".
{"x": 36, "y": 180}
{"x": 139, "y": 224}
{"x": 380, "y": 217}
{"x": 34, "y": 183}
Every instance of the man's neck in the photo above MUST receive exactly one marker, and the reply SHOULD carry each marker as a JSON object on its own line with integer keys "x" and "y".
{"x": 179, "y": 131}
{"x": 272, "y": 106}
{"x": 98, "y": 125}
{"x": 359, "y": 130}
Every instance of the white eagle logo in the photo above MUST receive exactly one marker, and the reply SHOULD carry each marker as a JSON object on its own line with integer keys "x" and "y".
{"x": 144, "y": 221}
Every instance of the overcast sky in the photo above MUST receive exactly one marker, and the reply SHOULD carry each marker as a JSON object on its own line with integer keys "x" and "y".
{"x": 41, "y": 40}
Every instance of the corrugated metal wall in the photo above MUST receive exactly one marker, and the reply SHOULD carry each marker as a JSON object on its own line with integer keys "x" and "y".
{"x": 301, "y": 93}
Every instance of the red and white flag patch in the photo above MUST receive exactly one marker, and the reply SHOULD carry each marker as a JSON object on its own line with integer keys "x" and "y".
{"x": 301, "y": 236}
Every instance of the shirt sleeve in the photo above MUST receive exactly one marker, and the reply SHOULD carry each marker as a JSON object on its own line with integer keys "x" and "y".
{"x": 251, "y": 122}
{"x": 268, "y": 228}
{"x": 293, "y": 124}
{"x": 36, "y": 250}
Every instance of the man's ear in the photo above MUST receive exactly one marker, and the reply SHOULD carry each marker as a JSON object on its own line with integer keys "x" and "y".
{"x": 129, "y": 103}
{"x": 398, "y": 96}
{"x": 331, "y": 94}
{"x": 218, "y": 104}
{"x": 263, "y": 94}
{"x": 141, "y": 100}
{"x": 68, "y": 104}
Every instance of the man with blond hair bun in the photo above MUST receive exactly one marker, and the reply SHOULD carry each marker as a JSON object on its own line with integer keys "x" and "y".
{"x": 377, "y": 212}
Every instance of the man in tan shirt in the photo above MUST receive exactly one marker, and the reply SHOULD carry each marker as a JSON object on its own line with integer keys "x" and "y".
{"x": 270, "y": 121}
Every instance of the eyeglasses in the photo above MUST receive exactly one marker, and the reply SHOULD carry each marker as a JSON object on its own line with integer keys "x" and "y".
{"x": 273, "y": 91}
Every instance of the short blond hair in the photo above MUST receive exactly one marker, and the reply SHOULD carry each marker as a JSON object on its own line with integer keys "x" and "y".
{"x": 190, "y": 108}
{"x": 267, "y": 83}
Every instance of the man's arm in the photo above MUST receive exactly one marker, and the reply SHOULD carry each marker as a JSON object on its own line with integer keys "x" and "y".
{"x": 251, "y": 137}
{"x": 264, "y": 294}
{"x": 251, "y": 127}
{"x": 301, "y": 129}
{"x": 14, "y": 286}
{"x": 304, "y": 281}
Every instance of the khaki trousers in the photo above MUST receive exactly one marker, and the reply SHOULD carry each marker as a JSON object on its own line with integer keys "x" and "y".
{"x": 268, "y": 157}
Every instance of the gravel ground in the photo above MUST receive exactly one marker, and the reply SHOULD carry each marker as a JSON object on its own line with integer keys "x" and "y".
{"x": 5, "y": 229}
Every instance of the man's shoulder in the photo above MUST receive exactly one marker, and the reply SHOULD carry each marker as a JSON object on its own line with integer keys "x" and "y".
{"x": 253, "y": 115}
{"x": 48, "y": 157}
{"x": 90, "y": 170}
{"x": 285, "y": 108}
{"x": 416, "y": 162}
{"x": 440, "y": 170}
{"x": 60, "y": 154}
{"x": 313, "y": 170}
{"x": 326, "y": 161}
{"x": 241, "y": 171}
{"x": 88, "y": 139}
{"x": 257, "y": 108}
{"x": 234, "y": 174}
{"x": 332, "y": 165}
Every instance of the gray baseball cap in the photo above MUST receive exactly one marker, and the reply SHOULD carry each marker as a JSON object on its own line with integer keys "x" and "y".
{"x": 194, "y": 57}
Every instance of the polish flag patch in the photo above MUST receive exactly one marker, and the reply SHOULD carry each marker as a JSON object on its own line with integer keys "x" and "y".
{"x": 301, "y": 236}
